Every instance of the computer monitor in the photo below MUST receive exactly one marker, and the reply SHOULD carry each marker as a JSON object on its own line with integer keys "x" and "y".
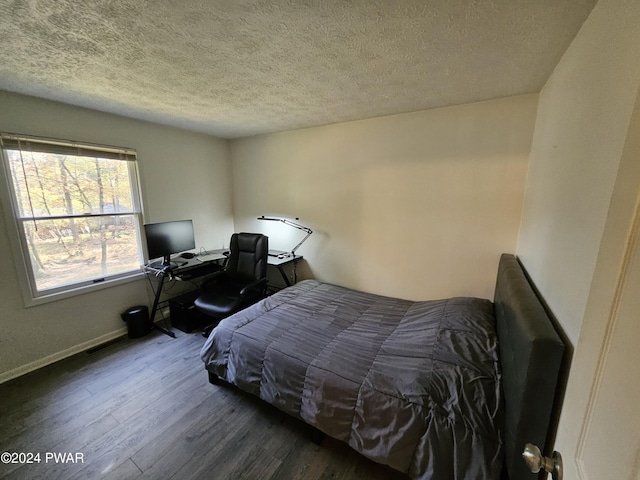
{"x": 167, "y": 238}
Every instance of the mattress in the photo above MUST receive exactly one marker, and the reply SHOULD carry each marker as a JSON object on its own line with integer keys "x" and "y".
{"x": 411, "y": 384}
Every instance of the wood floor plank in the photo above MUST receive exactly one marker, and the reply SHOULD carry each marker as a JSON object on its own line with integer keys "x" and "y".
{"x": 180, "y": 443}
{"x": 143, "y": 409}
{"x": 81, "y": 433}
{"x": 24, "y": 414}
{"x": 125, "y": 471}
{"x": 222, "y": 449}
{"x": 173, "y": 378}
{"x": 120, "y": 400}
{"x": 115, "y": 447}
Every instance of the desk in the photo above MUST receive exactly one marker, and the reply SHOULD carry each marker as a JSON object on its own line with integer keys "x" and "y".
{"x": 192, "y": 268}
{"x": 279, "y": 263}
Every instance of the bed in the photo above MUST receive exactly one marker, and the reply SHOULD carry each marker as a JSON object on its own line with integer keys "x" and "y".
{"x": 439, "y": 389}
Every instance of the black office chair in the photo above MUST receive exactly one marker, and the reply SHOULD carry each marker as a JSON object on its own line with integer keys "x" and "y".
{"x": 242, "y": 282}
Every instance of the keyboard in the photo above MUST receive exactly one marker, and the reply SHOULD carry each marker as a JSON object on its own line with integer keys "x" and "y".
{"x": 209, "y": 257}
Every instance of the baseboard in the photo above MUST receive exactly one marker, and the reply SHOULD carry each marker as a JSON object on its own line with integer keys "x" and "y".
{"x": 56, "y": 357}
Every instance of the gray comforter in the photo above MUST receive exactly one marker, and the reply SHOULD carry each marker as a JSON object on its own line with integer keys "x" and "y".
{"x": 414, "y": 385}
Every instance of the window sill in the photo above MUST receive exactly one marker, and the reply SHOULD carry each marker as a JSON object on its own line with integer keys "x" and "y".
{"x": 81, "y": 290}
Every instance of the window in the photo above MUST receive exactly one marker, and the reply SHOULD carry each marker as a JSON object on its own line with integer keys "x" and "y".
{"x": 77, "y": 212}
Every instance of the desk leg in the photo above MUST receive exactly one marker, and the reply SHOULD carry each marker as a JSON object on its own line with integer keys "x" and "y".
{"x": 284, "y": 275}
{"x": 154, "y": 309}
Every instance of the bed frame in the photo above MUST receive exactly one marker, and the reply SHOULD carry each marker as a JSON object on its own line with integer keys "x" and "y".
{"x": 531, "y": 354}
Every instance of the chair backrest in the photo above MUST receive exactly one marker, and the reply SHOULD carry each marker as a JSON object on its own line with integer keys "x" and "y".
{"x": 248, "y": 257}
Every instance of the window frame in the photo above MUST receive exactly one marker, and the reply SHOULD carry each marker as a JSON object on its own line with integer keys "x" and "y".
{"x": 16, "y": 229}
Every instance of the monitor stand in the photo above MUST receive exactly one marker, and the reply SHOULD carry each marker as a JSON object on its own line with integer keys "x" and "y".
{"x": 168, "y": 264}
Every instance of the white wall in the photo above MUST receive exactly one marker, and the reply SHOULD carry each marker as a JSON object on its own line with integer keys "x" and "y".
{"x": 418, "y": 205}
{"x": 580, "y": 197}
{"x": 182, "y": 174}
{"x": 580, "y": 131}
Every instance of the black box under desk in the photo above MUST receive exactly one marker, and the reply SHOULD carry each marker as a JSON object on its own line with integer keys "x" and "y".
{"x": 185, "y": 316}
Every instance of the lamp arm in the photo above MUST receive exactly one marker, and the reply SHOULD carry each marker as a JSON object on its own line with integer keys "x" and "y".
{"x": 297, "y": 225}
{"x": 291, "y": 224}
{"x": 293, "y": 251}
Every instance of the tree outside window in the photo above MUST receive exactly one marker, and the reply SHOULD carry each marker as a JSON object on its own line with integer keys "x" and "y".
{"x": 77, "y": 211}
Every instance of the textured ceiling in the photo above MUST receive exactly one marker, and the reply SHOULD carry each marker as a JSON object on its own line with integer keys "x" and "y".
{"x": 236, "y": 68}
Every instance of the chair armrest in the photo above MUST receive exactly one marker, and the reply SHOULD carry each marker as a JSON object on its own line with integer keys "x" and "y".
{"x": 253, "y": 285}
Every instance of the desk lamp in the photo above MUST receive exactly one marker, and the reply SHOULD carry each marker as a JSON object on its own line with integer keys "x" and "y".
{"x": 280, "y": 254}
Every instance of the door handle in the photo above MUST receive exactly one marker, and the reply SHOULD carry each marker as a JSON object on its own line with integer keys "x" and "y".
{"x": 536, "y": 461}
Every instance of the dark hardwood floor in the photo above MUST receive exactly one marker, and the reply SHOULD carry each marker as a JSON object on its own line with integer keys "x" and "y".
{"x": 143, "y": 409}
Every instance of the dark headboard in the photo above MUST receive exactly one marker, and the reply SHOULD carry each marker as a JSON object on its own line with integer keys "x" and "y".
{"x": 531, "y": 355}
